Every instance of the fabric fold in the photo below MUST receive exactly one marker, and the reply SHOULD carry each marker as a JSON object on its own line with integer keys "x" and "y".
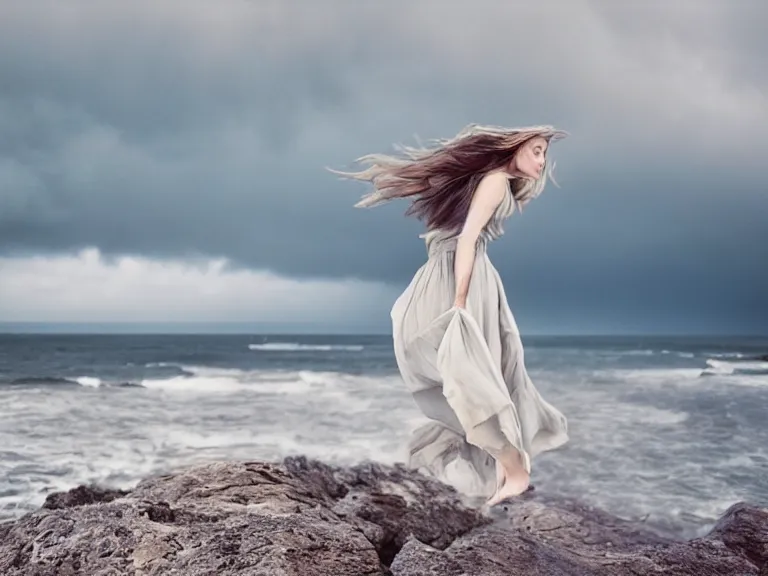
{"x": 472, "y": 383}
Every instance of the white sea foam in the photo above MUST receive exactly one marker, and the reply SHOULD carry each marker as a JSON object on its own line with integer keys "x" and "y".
{"x": 726, "y": 354}
{"x": 296, "y": 347}
{"x": 207, "y": 379}
{"x": 680, "y": 354}
{"x": 242, "y": 414}
{"x": 651, "y": 375}
{"x": 725, "y": 367}
{"x": 630, "y": 452}
{"x": 200, "y": 384}
{"x": 89, "y": 381}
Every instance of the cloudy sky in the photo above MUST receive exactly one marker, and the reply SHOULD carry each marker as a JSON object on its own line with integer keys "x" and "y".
{"x": 165, "y": 160}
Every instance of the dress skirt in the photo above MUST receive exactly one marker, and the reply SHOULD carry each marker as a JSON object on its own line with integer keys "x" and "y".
{"x": 466, "y": 371}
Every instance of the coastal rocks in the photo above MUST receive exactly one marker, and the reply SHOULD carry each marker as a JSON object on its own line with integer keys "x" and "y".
{"x": 541, "y": 539}
{"x": 305, "y": 518}
{"x": 300, "y": 518}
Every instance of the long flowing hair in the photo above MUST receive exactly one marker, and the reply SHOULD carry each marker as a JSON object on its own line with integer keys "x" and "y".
{"x": 442, "y": 179}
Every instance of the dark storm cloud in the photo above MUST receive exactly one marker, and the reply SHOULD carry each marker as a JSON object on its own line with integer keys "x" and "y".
{"x": 176, "y": 129}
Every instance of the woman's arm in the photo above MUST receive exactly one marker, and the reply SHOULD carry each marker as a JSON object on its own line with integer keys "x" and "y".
{"x": 488, "y": 195}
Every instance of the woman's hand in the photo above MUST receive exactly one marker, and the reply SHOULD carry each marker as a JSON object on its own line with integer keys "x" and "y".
{"x": 460, "y": 302}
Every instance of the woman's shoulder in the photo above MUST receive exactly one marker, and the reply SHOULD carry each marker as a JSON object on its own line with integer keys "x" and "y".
{"x": 493, "y": 186}
{"x": 497, "y": 175}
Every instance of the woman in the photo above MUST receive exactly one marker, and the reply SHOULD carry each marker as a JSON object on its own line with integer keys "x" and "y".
{"x": 456, "y": 342}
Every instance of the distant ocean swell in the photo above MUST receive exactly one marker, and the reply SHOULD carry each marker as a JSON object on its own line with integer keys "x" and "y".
{"x": 201, "y": 377}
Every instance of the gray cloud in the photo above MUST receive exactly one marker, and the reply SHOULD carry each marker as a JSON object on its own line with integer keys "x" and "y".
{"x": 179, "y": 129}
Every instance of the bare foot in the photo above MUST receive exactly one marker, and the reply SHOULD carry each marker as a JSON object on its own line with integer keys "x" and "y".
{"x": 513, "y": 485}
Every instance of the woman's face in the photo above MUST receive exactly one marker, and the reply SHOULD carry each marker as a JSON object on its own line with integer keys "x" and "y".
{"x": 529, "y": 159}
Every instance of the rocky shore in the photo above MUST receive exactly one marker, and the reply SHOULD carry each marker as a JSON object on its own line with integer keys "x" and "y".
{"x": 305, "y": 518}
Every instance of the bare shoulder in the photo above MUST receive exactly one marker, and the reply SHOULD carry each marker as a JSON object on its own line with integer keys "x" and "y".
{"x": 486, "y": 198}
{"x": 491, "y": 188}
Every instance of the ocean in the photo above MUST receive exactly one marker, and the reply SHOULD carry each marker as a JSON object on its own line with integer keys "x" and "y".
{"x": 670, "y": 430}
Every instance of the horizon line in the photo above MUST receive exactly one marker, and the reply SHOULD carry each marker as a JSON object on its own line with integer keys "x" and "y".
{"x": 118, "y": 328}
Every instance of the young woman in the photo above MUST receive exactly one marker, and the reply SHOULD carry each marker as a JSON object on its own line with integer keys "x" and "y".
{"x": 456, "y": 342}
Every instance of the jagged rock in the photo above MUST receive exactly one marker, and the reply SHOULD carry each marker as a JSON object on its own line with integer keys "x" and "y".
{"x": 305, "y": 518}
{"x": 744, "y": 529}
{"x": 537, "y": 535}
{"x": 298, "y": 518}
{"x": 81, "y": 496}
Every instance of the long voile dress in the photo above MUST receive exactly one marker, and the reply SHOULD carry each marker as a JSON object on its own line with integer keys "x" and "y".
{"x": 466, "y": 370}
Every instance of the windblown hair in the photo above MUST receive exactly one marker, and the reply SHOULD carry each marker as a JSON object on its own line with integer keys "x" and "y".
{"x": 442, "y": 179}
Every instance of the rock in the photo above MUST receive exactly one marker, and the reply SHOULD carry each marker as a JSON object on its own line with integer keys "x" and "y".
{"x": 298, "y": 518}
{"x": 81, "y": 496}
{"x": 744, "y": 529}
{"x": 542, "y": 536}
{"x": 305, "y": 518}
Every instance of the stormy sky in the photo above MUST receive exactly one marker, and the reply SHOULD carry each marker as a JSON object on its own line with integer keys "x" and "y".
{"x": 165, "y": 160}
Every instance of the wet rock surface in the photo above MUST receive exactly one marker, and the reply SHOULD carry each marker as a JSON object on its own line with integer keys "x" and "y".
{"x": 305, "y": 518}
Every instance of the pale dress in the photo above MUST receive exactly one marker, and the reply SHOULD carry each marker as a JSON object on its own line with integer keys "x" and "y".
{"x": 466, "y": 370}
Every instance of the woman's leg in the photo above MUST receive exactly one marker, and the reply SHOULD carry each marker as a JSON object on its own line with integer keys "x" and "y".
{"x": 512, "y": 478}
